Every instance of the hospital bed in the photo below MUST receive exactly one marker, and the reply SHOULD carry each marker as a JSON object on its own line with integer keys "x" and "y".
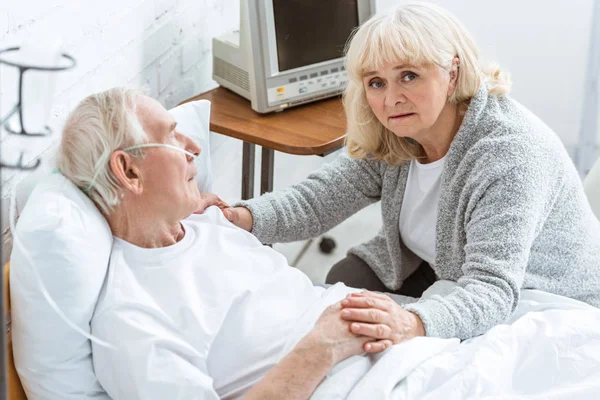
{"x": 383, "y": 376}
{"x": 15, "y": 389}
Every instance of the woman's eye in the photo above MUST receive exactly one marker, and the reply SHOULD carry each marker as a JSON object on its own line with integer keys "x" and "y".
{"x": 409, "y": 76}
{"x": 375, "y": 84}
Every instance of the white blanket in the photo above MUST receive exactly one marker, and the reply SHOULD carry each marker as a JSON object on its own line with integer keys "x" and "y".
{"x": 550, "y": 349}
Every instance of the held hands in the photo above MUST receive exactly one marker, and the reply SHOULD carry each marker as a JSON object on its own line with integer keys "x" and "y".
{"x": 332, "y": 339}
{"x": 379, "y": 317}
{"x": 239, "y": 216}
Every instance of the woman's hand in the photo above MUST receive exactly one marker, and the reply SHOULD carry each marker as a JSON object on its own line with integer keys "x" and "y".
{"x": 239, "y": 216}
{"x": 210, "y": 199}
{"x": 333, "y": 340}
{"x": 377, "y": 316}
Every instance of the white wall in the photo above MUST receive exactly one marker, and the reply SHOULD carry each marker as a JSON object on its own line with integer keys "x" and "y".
{"x": 165, "y": 45}
{"x": 544, "y": 44}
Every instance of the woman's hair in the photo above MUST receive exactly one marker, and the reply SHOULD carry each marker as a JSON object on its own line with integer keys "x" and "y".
{"x": 101, "y": 123}
{"x": 420, "y": 34}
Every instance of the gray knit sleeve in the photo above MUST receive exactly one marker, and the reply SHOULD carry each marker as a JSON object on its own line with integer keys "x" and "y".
{"x": 327, "y": 197}
{"x": 506, "y": 215}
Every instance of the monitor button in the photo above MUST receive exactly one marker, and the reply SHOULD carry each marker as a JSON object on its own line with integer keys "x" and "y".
{"x": 303, "y": 77}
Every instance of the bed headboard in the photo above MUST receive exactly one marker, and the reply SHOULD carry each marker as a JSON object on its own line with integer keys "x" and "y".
{"x": 15, "y": 389}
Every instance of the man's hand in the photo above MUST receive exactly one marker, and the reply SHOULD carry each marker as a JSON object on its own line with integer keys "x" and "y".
{"x": 298, "y": 374}
{"x": 210, "y": 199}
{"x": 379, "y": 317}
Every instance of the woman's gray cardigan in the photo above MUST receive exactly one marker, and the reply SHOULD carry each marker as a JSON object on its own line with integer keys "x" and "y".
{"x": 512, "y": 214}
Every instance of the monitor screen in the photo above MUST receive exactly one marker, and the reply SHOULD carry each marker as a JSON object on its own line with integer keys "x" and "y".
{"x": 312, "y": 31}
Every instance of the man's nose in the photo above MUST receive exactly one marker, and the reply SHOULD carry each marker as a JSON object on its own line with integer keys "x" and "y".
{"x": 193, "y": 147}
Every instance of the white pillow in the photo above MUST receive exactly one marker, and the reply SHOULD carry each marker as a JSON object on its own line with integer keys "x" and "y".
{"x": 68, "y": 241}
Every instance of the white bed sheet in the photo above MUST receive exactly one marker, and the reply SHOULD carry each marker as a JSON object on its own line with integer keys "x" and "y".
{"x": 549, "y": 349}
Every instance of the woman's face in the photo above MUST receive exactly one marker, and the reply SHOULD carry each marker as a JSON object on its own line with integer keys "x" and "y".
{"x": 167, "y": 174}
{"x": 408, "y": 100}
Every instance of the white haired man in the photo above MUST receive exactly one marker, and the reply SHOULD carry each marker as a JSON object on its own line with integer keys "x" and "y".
{"x": 197, "y": 307}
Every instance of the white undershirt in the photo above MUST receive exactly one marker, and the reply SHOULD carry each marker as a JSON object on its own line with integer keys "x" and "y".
{"x": 418, "y": 217}
{"x": 204, "y": 318}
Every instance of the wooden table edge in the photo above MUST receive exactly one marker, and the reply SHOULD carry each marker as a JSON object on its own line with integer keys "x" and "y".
{"x": 289, "y": 149}
{"x": 324, "y": 148}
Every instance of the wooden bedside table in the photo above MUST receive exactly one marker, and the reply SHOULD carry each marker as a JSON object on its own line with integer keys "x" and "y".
{"x": 315, "y": 128}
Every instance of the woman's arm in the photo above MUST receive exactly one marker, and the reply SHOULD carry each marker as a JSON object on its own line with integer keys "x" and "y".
{"x": 310, "y": 208}
{"x": 500, "y": 232}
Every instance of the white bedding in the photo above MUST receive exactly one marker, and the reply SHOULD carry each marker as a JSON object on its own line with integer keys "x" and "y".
{"x": 550, "y": 349}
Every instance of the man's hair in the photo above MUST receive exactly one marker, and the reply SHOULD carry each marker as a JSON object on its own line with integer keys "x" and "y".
{"x": 99, "y": 125}
{"x": 419, "y": 34}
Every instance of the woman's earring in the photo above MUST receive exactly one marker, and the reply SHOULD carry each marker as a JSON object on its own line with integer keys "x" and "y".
{"x": 122, "y": 194}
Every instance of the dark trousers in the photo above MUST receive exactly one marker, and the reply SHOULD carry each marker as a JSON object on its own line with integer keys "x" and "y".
{"x": 354, "y": 272}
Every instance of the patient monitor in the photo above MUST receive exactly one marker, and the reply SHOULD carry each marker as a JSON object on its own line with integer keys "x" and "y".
{"x": 288, "y": 52}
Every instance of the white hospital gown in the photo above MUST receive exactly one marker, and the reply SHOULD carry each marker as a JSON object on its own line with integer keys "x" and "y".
{"x": 205, "y": 318}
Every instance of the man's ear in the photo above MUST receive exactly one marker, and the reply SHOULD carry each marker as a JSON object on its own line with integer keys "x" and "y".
{"x": 127, "y": 172}
{"x": 454, "y": 71}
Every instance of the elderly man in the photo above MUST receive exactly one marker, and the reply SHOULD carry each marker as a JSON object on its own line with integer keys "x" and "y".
{"x": 197, "y": 307}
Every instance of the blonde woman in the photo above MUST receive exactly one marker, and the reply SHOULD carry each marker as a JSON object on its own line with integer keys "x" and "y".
{"x": 473, "y": 187}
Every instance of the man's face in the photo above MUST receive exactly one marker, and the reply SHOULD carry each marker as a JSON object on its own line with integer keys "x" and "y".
{"x": 167, "y": 175}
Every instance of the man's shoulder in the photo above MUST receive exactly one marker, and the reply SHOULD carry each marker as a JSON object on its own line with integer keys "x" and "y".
{"x": 211, "y": 216}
